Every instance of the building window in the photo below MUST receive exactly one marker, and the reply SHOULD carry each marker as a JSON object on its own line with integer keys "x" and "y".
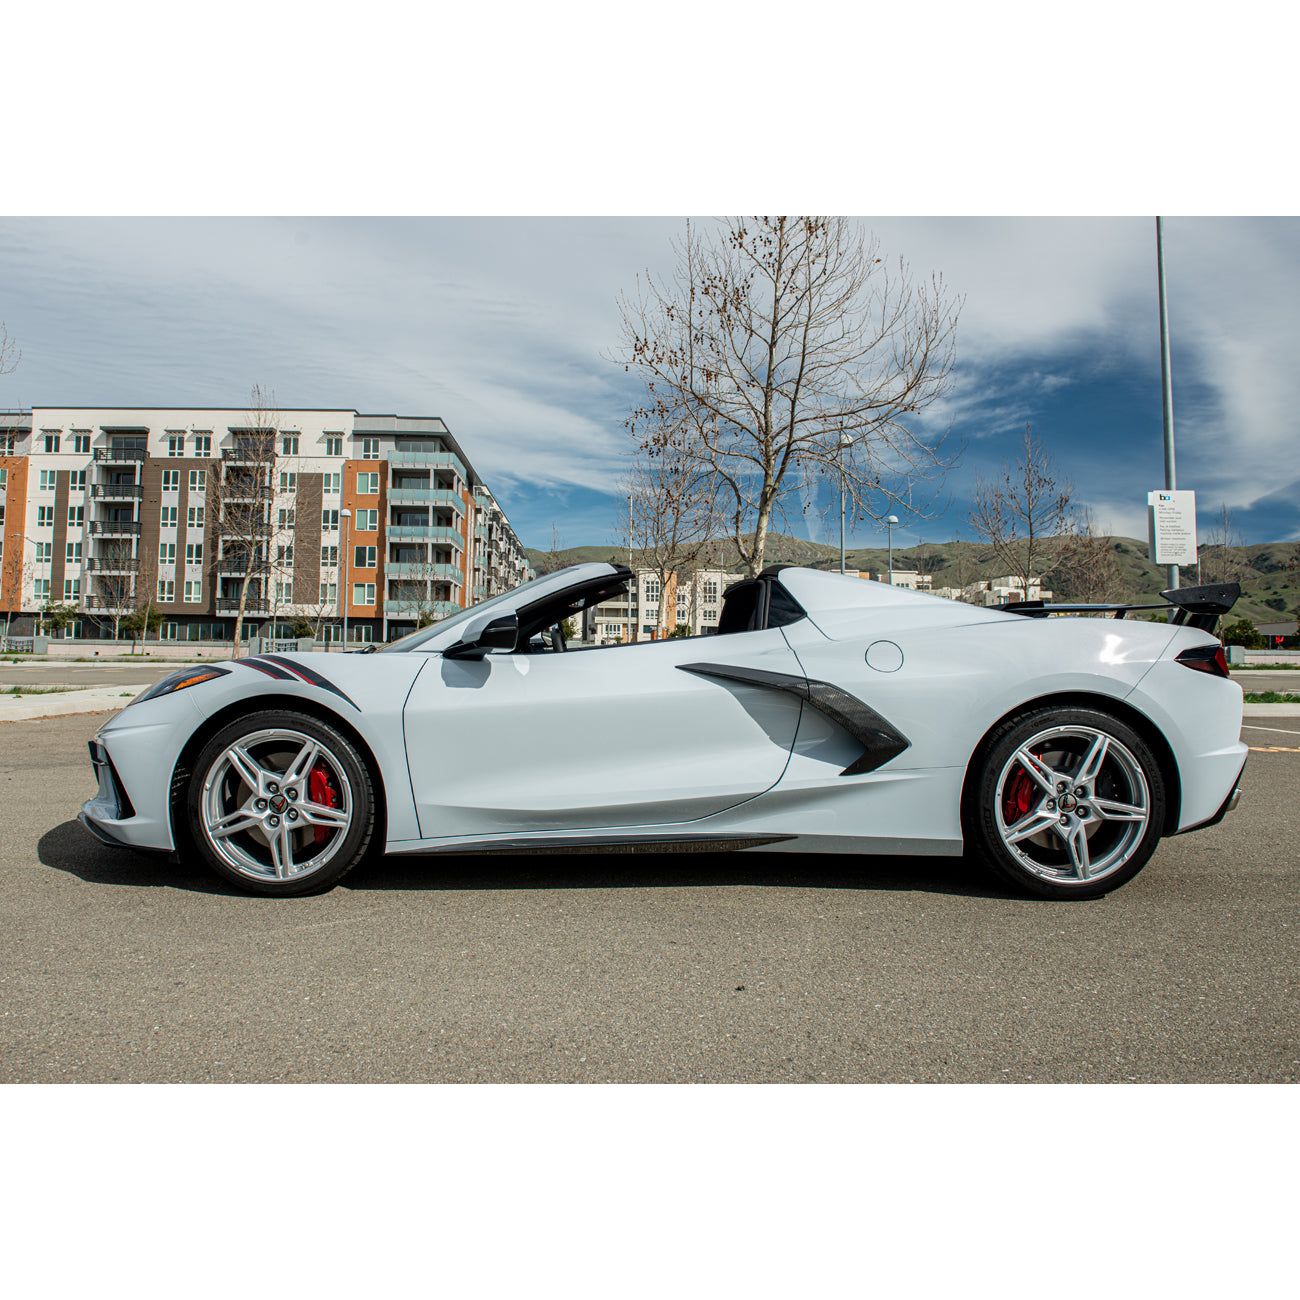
{"x": 283, "y": 590}
{"x": 193, "y": 517}
{"x": 289, "y": 444}
{"x": 288, "y": 481}
{"x": 41, "y": 589}
{"x": 368, "y": 483}
{"x": 329, "y": 520}
{"x": 329, "y": 593}
{"x": 6, "y": 444}
{"x": 76, "y": 516}
{"x": 329, "y": 556}
{"x": 51, "y": 443}
{"x": 171, "y": 480}
{"x": 369, "y": 448}
{"x": 194, "y": 593}
{"x": 72, "y": 553}
{"x": 4, "y": 477}
{"x": 284, "y": 553}
{"x": 285, "y": 517}
{"x": 367, "y": 521}
{"x": 652, "y": 589}
{"x": 167, "y": 590}
{"x": 175, "y": 444}
{"x": 331, "y": 483}
{"x": 203, "y": 444}
{"x": 72, "y": 589}
{"x": 193, "y": 552}
{"x": 167, "y": 632}
{"x": 47, "y": 480}
{"x": 44, "y": 516}
{"x": 363, "y": 593}
{"x": 77, "y": 481}
{"x": 333, "y": 444}
{"x": 364, "y": 557}
{"x": 81, "y": 444}
{"x": 198, "y": 480}
{"x": 166, "y": 552}
{"x": 44, "y": 552}
{"x": 167, "y": 516}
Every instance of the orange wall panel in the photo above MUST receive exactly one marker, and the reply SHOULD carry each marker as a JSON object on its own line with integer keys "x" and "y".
{"x": 11, "y": 571}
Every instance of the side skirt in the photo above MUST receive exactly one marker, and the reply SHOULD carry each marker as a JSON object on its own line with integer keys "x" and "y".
{"x": 597, "y": 843}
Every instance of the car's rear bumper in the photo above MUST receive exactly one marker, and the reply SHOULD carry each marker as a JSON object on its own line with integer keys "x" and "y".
{"x": 1229, "y": 804}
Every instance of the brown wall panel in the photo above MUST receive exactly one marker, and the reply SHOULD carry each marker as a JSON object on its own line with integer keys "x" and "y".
{"x": 307, "y": 540}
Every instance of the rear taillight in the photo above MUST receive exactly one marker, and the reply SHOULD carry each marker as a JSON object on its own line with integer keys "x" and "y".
{"x": 1206, "y": 659}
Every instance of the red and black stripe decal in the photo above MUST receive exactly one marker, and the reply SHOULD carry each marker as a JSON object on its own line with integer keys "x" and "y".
{"x": 286, "y": 670}
{"x": 308, "y": 675}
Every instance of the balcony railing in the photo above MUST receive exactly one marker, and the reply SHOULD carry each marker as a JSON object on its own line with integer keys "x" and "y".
{"x": 413, "y": 608}
{"x": 239, "y": 564}
{"x": 422, "y": 570}
{"x": 255, "y": 604}
{"x": 114, "y": 528}
{"x": 120, "y": 455}
{"x": 112, "y": 564}
{"x": 426, "y": 533}
{"x": 426, "y": 496}
{"x": 115, "y": 491}
{"x": 427, "y": 459}
{"x": 249, "y": 455}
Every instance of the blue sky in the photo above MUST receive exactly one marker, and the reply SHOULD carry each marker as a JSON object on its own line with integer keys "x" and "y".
{"x": 499, "y": 326}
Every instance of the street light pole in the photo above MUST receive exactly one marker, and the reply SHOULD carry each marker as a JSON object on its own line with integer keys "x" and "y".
{"x": 890, "y": 521}
{"x": 844, "y": 442}
{"x": 346, "y": 515}
{"x": 1166, "y": 378}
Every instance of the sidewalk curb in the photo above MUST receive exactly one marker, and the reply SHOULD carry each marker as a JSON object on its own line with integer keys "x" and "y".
{"x": 1272, "y": 710}
{"x": 92, "y": 699}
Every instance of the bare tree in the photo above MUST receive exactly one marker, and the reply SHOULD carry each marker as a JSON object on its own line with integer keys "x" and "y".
{"x": 243, "y": 497}
{"x": 1221, "y": 559}
{"x": 10, "y": 355}
{"x": 1025, "y": 516}
{"x": 117, "y": 578}
{"x": 1089, "y": 571}
{"x": 794, "y": 352}
{"x": 674, "y": 506}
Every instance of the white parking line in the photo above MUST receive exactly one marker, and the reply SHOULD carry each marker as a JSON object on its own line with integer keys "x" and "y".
{"x": 1248, "y": 726}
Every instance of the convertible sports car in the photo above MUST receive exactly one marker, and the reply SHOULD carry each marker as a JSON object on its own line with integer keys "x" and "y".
{"x": 827, "y": 713}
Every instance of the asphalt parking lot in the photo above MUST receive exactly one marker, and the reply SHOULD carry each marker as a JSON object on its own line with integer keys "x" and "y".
{"x": 719, "y": 968}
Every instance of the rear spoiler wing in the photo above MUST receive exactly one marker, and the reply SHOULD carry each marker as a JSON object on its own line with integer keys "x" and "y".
{"x": 1199, "y": 607}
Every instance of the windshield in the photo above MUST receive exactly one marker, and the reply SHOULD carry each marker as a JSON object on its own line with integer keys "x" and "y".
{"x": 414, "y": 640}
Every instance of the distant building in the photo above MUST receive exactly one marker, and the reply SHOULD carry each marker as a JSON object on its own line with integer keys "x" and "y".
{"x": 695, "y": 602}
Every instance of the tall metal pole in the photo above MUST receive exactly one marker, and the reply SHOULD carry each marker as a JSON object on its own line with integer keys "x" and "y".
{"x": 1166, "y": 379}
{"x": 347, "y": 518}
{"x": 842, "y": 444}
{"x": 890, "y": 521}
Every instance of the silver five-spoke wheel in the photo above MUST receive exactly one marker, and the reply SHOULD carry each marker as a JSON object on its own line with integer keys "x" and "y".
{"x": 1072, "y": 804}
{"x": 276, "y": 805}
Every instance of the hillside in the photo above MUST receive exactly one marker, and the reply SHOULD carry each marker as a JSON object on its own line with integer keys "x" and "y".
{"x": 1270, "y": 573}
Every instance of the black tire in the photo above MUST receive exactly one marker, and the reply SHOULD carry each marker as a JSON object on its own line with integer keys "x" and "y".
{"x": 983, "y": 835}
{"x": 356, "y": 839}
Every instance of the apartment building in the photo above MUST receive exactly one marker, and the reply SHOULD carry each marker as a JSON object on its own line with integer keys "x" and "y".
{"x": 382, "y": 516}
{"x": 693, "y": 602}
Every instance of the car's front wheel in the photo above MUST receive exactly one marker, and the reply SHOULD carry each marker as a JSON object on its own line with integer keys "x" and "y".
{"x": 1067, "y": 802}
{"x": 280, "y": 803}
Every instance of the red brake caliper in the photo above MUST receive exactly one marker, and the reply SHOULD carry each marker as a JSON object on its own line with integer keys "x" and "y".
{"x": 320, "y": 789}
{"x": 1017, "y": 795}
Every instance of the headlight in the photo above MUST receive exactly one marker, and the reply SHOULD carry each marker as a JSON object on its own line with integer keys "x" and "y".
{"x": 180, "y": 681}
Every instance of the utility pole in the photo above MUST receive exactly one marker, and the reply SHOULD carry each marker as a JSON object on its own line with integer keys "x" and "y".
{"x": 890, "y": 521}
{"x": 1166, "y": 380}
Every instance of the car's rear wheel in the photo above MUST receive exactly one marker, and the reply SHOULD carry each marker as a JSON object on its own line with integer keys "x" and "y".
{"x": 1067, "y": 803}
{"x": 280, "y": 803}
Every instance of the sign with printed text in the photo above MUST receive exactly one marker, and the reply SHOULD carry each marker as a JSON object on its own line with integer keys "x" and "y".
{"x": 1171, "y": 527}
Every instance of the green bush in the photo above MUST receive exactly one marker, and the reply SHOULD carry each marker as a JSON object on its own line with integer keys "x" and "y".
{"x": 1242, "y": 632}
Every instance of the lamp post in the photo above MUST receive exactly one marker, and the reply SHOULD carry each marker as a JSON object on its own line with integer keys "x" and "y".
{"x": 890, "y": 521}
{"x": 346, "y": 515}
{"x": 845, "y": 441}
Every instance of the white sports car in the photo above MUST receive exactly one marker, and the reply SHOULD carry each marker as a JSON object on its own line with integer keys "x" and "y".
{"x": 827, "y": 713}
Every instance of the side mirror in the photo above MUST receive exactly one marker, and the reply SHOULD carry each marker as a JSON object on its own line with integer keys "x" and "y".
{"x": 484, "y": 635}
